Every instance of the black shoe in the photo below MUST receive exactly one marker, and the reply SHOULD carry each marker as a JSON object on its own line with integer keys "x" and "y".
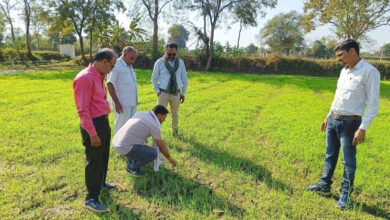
{"x": 132, "y": 171}
{"x": 320, "y": 187}
{"x": 109, "y": 186}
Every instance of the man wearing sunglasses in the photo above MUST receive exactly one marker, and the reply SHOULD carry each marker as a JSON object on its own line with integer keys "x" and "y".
{"x": 122, "y": 86}
{"x": 93, "y": 109}
{"x": 170, "y": 82}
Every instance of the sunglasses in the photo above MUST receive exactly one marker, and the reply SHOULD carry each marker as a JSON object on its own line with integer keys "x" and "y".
{"x": 171, "y": 54}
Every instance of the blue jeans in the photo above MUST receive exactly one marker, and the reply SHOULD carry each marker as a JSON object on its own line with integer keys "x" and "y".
{"x": 340, "y": 133}
{"x": 140, "y": 155}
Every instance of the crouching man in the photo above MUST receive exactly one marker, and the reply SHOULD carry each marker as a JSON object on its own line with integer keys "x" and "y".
{"x": 130, "y": 139}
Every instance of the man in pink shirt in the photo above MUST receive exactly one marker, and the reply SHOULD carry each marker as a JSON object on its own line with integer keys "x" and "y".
{"x": 93, "y": 109}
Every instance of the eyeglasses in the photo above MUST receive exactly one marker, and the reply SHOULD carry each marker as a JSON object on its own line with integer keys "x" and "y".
{"x": 112, "y": 65}
{"x": 171, "y": 54}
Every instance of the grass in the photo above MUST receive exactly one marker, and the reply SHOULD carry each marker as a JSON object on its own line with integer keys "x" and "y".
{"x": 250, "y": 144}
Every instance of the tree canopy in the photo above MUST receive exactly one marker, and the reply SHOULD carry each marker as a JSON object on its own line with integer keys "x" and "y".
{"x": 179, "y": 35}
{"x": 351, "y": 18}
{"x": 284, "y": 33}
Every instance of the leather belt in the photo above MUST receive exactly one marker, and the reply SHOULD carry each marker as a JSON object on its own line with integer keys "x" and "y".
{"x": 163, "y": 90}
{"x": 346, "y": 117}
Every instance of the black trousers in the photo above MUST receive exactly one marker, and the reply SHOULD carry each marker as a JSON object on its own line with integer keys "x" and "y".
{"x": 96, "y": 157}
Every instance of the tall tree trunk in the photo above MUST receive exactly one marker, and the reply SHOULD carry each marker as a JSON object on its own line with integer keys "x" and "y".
{"x": 206, "y": 41}
{"x": 239, "y": 36}
{"x": 211, "y": 49}
{"x": 90, "y": 43}
{"x": 81, "y": 45}
{"x": 27, "y": 13}
{"x": 12, "y": 32}
{"x": 155, "y": 31}
{"x": 6, "y": 11}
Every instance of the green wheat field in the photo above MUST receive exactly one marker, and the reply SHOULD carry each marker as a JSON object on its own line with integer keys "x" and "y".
{"x": 250, "y": 144}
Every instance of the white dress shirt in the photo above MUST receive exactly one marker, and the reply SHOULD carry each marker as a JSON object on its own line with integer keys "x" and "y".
{"x": 161, "y": 76}
{"x": 357, "y": 89}
{"x": 124, "y": 80}
{"x": 136, "y": 130}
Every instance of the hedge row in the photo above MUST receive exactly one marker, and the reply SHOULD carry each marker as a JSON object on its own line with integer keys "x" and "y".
{"x": 268, "y": 65}
{"x": 12, "y": 55}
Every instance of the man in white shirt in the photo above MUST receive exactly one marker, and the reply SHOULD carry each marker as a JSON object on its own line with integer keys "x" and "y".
{"x": 129, "y": 140}
{"x": 357, "y": 90}
{"x": 122, "y": 86}
{"x": 170, "y": 82}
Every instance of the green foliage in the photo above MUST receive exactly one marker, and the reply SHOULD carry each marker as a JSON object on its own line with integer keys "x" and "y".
{"x": 322, "y": 48}
{"x": 87, "y": 15}
{"x": 352, "y": 19}
{"x": 386, "y": 50}
{"x": 12, "y": 56}
{"x": 179, "y": 35}
{"x": 251, "y": 49}
{"x": 284, "y": 33}
{"x": 250, "y": 144}
{"x": 212, "y": 11}
{"x": 49, "y": 55}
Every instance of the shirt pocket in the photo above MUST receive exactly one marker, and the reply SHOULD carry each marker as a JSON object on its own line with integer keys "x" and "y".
{"x": 352, "y": 83}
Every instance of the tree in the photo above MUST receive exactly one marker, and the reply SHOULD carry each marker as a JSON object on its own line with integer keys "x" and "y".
{"x": 179, "y": 35}
{"x": 386, "y": 50}
{"x": 351, "y": 18}
{"x": 284, "y": 33}
{"x": 318, "y": 49}
{"x": 2, "y": 26}
{"x": 154, "y": 8}
{"x": 213, "y": 10}
{"x": 6, "y": 7}
{"x": 251, "y": 49}
{"x": 117, "y": 37}
{"x": 85, "y": 14}
{"x": 246, "y": 17}
{"x": 27, "y": 19}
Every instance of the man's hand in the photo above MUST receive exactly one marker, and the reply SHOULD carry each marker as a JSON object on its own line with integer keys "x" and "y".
{"x": 324, "y": 124}
{"x": 118, "y": 107}
{"x": 95, "y": 141}
{"x": 359, "y": 137}
{"x": 172, "y": 161}
{"x": 181, "y": 98}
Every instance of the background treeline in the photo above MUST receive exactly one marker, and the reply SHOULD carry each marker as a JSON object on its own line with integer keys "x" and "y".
{"x": 280, "y": 48}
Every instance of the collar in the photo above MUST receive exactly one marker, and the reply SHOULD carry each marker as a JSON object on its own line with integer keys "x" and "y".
{"x": 124, "y": 63}
{"x": 358, "y": 65}
{"x": 155, "y": 118}
{"x": 94, "y": 72}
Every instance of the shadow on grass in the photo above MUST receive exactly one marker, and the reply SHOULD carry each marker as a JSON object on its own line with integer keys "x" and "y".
{"x": 122, "y": 211}
{"x": 236, "y": 164}
{"x": 173, "y": 190}
{"x": 373, "y": 210}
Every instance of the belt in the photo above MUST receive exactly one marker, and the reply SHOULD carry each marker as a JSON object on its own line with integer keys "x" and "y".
{"x": 346, "y": 117}
{"x": 101, "y": 117}
{"x": 163, "y": 90}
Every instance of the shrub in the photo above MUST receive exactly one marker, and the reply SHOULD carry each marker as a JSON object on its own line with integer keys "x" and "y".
{"x": 50, "y": 55}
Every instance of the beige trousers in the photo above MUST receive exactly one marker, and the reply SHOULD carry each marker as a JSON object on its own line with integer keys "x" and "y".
{"x": 174, "y": 102}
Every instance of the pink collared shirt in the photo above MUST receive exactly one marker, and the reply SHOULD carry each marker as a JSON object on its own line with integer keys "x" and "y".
{"x": 90, "y": 97}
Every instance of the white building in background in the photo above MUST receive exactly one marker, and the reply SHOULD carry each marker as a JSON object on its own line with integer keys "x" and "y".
{"x": 68, "y": 50}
